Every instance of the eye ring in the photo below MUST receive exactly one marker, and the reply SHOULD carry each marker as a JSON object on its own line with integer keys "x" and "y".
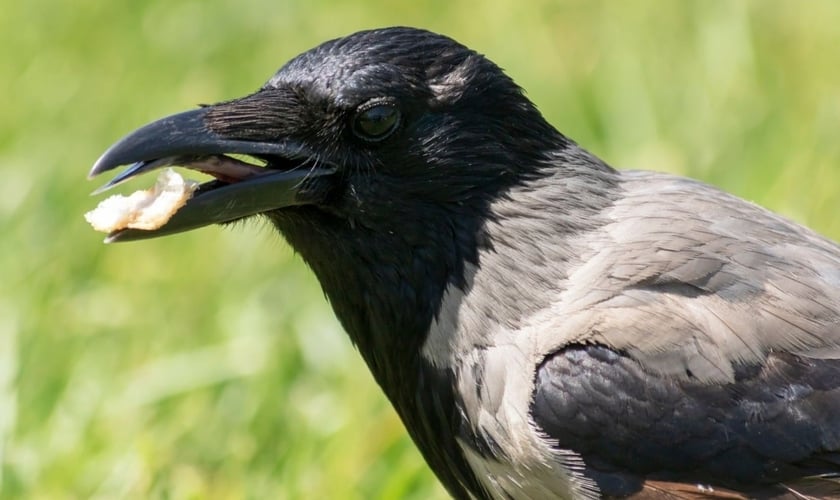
{"x": 376, "y": 120}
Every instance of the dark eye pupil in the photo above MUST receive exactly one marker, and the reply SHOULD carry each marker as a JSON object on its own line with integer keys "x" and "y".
{"x": 377, "y": 122}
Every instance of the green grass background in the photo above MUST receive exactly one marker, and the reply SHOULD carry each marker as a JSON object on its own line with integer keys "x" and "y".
{"x": 208, "y": 365}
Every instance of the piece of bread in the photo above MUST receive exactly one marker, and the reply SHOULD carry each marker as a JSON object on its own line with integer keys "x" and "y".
{"x": 149, "y": 209}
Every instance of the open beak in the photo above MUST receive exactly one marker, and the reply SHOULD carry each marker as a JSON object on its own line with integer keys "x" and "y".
{"x": 290, "y": 176}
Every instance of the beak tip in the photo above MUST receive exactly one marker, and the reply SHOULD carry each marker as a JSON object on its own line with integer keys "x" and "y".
{"x": 112, "y": 237}
{"x": 102, "y": 164}
{"x": 100, "y": 189}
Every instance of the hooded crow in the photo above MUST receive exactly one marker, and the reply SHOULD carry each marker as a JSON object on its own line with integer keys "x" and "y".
{"x": 545, "y": 326}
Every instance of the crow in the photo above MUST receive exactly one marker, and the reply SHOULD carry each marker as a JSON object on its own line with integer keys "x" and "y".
{"x": 544, "y": 325}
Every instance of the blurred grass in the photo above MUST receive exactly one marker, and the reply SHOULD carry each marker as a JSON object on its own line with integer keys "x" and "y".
{"x": 207, "y": 365}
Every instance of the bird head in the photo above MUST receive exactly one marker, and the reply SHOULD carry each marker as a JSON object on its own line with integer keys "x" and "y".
{"x": 379, "y": 125}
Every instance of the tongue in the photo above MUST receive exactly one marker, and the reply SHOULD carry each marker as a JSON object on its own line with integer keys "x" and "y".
{"x": 225, "y": 168}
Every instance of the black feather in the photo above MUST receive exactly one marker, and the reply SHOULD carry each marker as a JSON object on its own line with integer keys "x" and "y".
{"x": 775, "y": 423}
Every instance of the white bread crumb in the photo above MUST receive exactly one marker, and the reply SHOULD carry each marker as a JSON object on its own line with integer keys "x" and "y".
{"x": 149, "y": 209}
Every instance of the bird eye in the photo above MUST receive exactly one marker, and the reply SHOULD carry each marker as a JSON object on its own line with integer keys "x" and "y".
{"x": 376, "y": 120}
